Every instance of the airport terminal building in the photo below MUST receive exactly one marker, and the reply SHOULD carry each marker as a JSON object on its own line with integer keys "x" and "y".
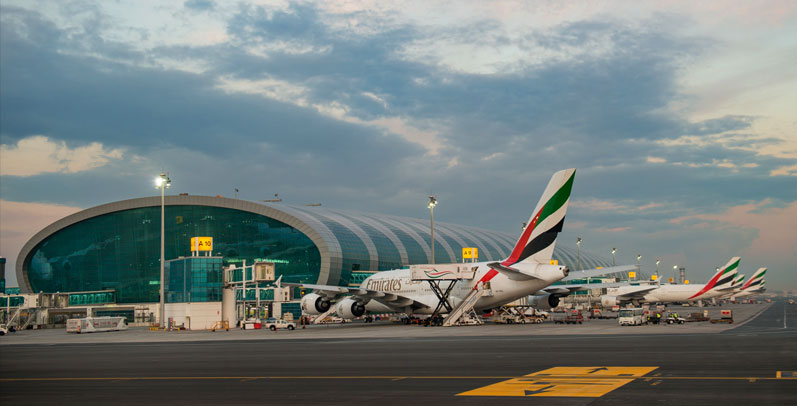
{"x": 116, "y": 246}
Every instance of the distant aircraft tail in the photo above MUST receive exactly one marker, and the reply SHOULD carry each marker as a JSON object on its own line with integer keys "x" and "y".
{"x": 756, "y": 280}
{"x": 723, "y": 278}
{"x": 537, "y": 241}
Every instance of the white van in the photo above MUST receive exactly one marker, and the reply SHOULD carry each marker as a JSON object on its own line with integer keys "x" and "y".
{"x": 632, "y": 317}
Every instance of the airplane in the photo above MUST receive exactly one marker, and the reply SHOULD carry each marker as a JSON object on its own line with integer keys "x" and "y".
{"x": 736, "y": 287}
{"x": 528, "y": 269}
{"x": 754, "y": 285}
{"x": 717, "y": 286}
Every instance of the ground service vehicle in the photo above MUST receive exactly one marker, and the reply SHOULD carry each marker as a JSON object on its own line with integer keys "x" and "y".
{"x": 3, "y": 330}
{"x": 726, "y": 316}
{"x": 632, "y": 317}
{"x": 274, "y": 324}
{"x": 95, "y": 324}
{"x": 572, "y": 317}
{"x": 673, "y": 318}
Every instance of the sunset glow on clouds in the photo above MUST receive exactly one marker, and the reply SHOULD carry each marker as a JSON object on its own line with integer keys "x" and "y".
{"x": 679, "y": 116}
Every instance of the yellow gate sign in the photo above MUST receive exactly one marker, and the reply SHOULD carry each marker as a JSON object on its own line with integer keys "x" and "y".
{"x": 470, "y": 252}
{"x": 201, "y": 244}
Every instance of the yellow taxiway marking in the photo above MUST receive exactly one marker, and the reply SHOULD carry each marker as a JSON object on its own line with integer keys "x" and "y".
{"x": 786, "y": 374}
{"x": 784, "y": 377}
{"x": 564, "y": 381}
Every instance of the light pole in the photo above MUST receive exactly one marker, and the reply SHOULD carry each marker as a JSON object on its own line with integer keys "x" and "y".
{"x": 432, "y": 203}
{"x": 614, "y": 251}
{"x": 578, "y": 245}
{"x": 657, "y": 268}
{"x": 639, "y": 264}
{"x": 674, "y": 272}
{"x": 163, "y": 182}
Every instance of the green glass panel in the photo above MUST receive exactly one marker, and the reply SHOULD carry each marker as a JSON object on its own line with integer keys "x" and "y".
{"x": 121, "y": 250}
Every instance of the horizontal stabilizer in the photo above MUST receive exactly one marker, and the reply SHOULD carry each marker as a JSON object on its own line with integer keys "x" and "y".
{"x": 512, "y": 273}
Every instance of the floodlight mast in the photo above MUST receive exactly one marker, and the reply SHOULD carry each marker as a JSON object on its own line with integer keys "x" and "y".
{"x": 163, "y": 182}
{"x": 432, "y": 203}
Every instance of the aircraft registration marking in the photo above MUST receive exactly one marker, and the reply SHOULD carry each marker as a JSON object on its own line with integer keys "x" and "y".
{"x": 564, "y": 381}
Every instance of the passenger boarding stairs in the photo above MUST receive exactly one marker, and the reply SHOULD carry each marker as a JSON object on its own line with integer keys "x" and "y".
{"x": 31, "y": 318}
{"x": 465, "y": 308}
{"x": 14, "y": 317}
{"x": 323, "y": 316}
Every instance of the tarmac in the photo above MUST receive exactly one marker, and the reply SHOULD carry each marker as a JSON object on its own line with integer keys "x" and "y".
{"x": 742, "y": 313}
{"x": 752, "y": 361}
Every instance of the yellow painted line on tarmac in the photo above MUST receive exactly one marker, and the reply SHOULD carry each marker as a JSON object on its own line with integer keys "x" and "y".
{"x": 178, "y": 378}
{"x": 386, "y": 377}
{"x": 564, "y": 382}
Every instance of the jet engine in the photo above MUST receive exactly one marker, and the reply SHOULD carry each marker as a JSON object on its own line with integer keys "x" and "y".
{"x": 548, "y": 301}
{"x": 609, "y": 301}
{"x": 315, "y": 304}
{"x": 349, "y": 308}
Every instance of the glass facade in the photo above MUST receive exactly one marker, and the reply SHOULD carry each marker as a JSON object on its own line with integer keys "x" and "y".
{"x": 121, "y": 250}
{"x": 194, "y": 279}
{"x": 16, "y": 301}
{"x": 92, "y": 298}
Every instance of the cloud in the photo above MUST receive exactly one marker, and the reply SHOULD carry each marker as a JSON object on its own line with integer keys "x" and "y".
{"x": 21, "y": 220}
{"x": 775, "y": 226}
{"x": 784, "y": 171}
{"x": 39, "y": 154}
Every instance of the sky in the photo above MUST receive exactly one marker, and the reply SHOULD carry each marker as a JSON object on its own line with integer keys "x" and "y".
{"x": 680, "y": 116}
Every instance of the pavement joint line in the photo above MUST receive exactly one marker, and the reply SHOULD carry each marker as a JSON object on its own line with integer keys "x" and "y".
{"x": 394, "y": 378}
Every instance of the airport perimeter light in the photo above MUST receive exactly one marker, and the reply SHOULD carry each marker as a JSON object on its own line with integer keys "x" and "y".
{"x": 432, "y": 203}
{"x": 162, "y": 182}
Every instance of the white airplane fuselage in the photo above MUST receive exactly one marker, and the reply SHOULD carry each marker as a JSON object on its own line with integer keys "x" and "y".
{"x": 667, "y": 293}
{"x": 502, "y": 290}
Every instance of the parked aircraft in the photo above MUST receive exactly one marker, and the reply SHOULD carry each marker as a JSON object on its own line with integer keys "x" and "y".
{"x": 754, "y": 285}
{"x": 528, "y": 269}
{"x": 670, "y": 293}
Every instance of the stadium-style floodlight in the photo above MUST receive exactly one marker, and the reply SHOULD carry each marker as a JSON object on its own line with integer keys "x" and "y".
{"x": 162, "y": 182}
{"x": 432, "y": 203}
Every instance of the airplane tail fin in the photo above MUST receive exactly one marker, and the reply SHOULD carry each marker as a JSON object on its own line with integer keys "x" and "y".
{"x": 723, "y": 277}
{"x": 536, "y": 243}
{"x": 755, "y": 280}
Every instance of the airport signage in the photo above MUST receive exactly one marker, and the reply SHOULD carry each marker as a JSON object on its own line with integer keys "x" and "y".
{"x": 201, "y": 244}
{"x": 436, "y": 272}
{"x": 470, "y": 252}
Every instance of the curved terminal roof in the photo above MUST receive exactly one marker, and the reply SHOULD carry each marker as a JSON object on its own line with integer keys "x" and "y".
{"x": 378, "y": 242}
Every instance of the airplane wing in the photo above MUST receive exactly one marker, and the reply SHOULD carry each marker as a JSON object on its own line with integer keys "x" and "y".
{"x": 386, "y": 298}
{"x": 637, "y": 293}
{"x": 566, "y": 289}
{"x": 589, "y": 273}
